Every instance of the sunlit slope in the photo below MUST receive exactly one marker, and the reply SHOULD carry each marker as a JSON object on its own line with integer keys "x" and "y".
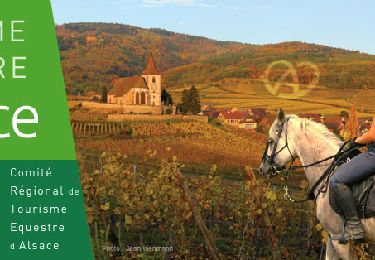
{"x": 253, "y": 93}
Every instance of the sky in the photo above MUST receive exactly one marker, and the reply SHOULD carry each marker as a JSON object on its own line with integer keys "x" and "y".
{"x": 348, "y": 24}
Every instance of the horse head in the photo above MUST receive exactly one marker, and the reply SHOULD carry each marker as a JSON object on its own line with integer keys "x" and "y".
{"x": 279, "y": 149}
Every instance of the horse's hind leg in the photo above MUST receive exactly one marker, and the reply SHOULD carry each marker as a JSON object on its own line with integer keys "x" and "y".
{"x": 344, "y": 252}
{"x": 331, "y": 253}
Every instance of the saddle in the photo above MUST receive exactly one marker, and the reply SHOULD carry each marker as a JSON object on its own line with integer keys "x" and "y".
{"x": 363, "y": 192}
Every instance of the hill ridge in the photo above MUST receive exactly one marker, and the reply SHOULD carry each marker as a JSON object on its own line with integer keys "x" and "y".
{"x": 93, "y": 53}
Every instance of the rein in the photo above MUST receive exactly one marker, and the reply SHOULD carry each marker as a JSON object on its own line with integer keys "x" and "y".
{"x": 325, "y": 177}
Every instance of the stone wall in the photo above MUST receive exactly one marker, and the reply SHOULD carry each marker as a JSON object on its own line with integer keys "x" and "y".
{"x": 120, "y": 109}
{"x": 102, "y": 108}
{"x": 141, "y": 109}
{"x": 128, "y": 117}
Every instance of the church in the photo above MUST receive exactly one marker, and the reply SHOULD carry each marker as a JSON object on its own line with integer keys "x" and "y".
{"x": 138, "y": 94}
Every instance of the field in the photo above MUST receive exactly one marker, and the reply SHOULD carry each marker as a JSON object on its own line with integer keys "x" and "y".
{"x": 182, "y": 185}
{"x": 252, "y": 93}
{"x": 196, "y": 144}
{"x": 135, "y": 193}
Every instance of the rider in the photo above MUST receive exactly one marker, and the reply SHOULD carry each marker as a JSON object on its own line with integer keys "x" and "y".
{"x": 357, "y": 169}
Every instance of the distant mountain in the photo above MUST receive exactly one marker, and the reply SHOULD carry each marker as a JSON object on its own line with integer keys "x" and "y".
{"x": 93, "y": 53}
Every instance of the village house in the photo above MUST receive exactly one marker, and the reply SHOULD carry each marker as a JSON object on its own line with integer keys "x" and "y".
{"x": 257, "y": 113}
{"x": 364, "y": 125}
{"x": 138, "y": 94}
{"x": 334, "y": 123}
{"x": 206, "y": 107}
{"x": 235, "y": 118}
{"x": 93, "y": 95}
{"x": 313, "y": 116}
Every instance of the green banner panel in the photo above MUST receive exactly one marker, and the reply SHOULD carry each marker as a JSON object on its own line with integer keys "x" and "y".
{"x": 43, "y": 215}
{"x": 34, "y": 47}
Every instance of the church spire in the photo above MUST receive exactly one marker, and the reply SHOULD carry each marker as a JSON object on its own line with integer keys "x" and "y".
{"x": 150, "y": 67}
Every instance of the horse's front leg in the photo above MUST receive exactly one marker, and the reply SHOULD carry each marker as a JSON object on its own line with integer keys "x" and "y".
{"x": 331, "y": 253}
{"x": 345, "y": 252}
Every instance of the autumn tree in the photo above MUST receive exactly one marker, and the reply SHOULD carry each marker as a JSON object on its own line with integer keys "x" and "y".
{"x": 352, "y": 126}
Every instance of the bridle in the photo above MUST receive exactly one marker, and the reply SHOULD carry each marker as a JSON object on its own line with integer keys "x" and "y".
{"x": 270, "y": 159}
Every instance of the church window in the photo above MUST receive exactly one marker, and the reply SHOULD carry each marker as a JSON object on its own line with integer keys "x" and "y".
{"x": 153, "y": 80}
{"x": 143, "y": 98}
{"x": 137, "y": 100}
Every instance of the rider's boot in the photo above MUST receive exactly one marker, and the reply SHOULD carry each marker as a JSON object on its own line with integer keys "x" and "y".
{"x": 353, "y": 228}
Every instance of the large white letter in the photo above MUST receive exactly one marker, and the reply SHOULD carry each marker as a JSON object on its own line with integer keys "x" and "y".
{"x": 7, "y": 135}
{"x": 1, "y": 31}
{"x": 16, "y": 121}
{"x": 16, "y": 31}
{"x": 15, "y": 67}
{"x": 2, "y": 65}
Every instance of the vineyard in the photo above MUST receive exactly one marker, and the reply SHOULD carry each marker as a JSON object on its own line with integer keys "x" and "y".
{"x": 246, "y": 220}
{"x": 186, "y": 190}
{"x": 191, "y": 142}
{"x": 100, "y": 129}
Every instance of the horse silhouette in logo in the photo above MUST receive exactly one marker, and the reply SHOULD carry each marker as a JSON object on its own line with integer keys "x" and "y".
{"x": 297, "y": 90}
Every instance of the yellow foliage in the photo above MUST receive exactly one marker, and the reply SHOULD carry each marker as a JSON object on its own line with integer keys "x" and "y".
{"x": 105, "y": 206}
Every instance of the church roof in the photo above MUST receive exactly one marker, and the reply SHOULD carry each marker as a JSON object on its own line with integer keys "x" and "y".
{"x": 150, "y": 67}
{"x": 123, "y": 85}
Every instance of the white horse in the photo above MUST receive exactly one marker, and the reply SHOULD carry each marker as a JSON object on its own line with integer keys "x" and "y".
{"x": 291, "y": 137}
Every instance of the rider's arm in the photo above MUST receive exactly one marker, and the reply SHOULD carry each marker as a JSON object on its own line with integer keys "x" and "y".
{"x": 368, "y": 137}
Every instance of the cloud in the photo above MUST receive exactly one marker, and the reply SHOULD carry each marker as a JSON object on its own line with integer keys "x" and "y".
{"x": 205, "y": 5}
{"x": 166, "y": 2}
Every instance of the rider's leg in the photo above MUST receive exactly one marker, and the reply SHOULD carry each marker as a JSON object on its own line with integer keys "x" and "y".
{"x": 359, "y": 168}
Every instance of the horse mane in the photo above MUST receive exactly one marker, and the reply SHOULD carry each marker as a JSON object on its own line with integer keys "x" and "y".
{"x": 310, "y": 126}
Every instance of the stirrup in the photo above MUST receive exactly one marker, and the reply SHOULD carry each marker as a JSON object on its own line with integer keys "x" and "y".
{"x": 340, "y": 237}
{"x": 343, "y": 240}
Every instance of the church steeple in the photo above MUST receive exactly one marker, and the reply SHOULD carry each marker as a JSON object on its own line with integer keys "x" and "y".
{"x": 150, "y": 67}
{"x": 152, "y": 78}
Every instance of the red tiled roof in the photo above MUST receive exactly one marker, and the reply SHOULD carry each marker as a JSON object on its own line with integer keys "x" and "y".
{"x": 123, "y": 85}
{"x": 211, "y": 114}
{"x": 335, "y": 119}
{"x": 258, "y": 112}
{"x": 150, "y": 67}
{"x": 332, "y": 126}
{"x": 315, "y": 117}
{"x": 235, "y": 115}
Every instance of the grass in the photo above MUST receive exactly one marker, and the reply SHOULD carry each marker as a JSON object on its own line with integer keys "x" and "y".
{"x": 252, "y": 93}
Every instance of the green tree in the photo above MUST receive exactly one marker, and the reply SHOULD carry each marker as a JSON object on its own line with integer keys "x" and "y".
{"x": 344, "y": 114}
{"x": 195, "y": 103}
{"x": 166, "y": 97}
{"x": 190, "y": 101}
{"x": 104, "y": 98}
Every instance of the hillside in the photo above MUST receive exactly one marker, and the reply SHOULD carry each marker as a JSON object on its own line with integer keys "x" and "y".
{"x": 93, "y": 53}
